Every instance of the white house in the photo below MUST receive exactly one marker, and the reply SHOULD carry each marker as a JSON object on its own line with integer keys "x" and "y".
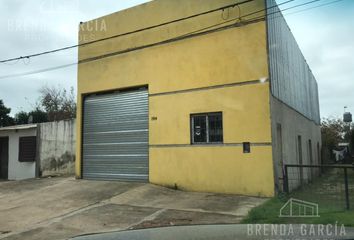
{"x": 18, "y": 152}
{"x": 35, "y": 150}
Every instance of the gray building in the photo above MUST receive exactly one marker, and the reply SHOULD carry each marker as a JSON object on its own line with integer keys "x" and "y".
{"x": 294, "y": 103}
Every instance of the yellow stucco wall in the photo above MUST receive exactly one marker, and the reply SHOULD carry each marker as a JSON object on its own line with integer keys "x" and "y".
{"x": 154, "y": 13}
{"x": 230, "y": 56}
{"x": 223, "y": 169}
{"x": 245, "y": 118}
{"x": 211, "y": 168}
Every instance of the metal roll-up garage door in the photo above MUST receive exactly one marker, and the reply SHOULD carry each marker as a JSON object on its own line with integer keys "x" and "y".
{"x": 115, "y": 136}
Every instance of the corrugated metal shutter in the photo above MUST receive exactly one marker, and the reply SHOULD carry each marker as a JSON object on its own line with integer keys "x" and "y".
{"x": 115, "y": 136}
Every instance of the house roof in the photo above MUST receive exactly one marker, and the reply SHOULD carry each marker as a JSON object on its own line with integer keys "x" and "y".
{"x": 18, "y": 127}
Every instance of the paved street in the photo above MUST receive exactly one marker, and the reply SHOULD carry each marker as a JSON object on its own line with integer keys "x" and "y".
{"x": 59, "y": 208}
{"x": 227, "y": 232}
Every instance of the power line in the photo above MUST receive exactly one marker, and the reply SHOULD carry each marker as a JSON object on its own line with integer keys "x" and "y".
{"x": 300, "y": 5}
{"x": 296, "y": 6}
{"x": 203, "y": 30}
{"x": 162, "y": 42}
{"x": 155, "y": 26}
{"x": 39, "y": 71}
{"x": 127, "y": 33}
{"x": 240, "y": 17}
{"x": 191, "y": 34}
{"x": 318, "y": 6}
{"x": 121, "y": 52}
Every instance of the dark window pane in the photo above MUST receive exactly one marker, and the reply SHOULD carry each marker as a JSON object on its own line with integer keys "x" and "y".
{"x": 215, "y": 127}
{"x": 27, "y": 149}
{"x": 199, "y": 129}
{"x": 246, "y": 147}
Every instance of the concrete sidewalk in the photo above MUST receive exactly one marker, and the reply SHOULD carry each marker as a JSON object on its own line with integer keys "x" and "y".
{"x": 59, "y": 208}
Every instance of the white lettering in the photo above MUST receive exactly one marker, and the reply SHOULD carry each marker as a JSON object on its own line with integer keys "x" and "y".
{"x": 312, "y": 231}
{"x": 282, "y": 229}
{"x": 291, "y": 230}
{"x": 321, "y": 230}
{"x": 249, "y": 229}
{"x": 258, "y": 229}
{"x": 303, "y": 229}
{"x": 328, "y": 229}
{"x": 342, "y": 231}
{"x": 103, "y": 26}
{"x": 274, "y": 229}
{"x": 265, "y": 230}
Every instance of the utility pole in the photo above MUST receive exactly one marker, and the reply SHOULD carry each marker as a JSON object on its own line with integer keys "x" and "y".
{"x": 347, "y": 116}
{"x": 347, "y": 119}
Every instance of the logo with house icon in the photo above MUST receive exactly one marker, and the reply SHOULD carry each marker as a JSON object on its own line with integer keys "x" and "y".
{"x": 299, "y": 208}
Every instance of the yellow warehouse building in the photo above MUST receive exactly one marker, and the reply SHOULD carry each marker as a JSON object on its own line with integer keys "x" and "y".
{"x": 202, "y": 95}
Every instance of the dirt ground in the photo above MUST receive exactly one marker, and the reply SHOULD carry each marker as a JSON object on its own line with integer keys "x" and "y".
{"x": 60, "y": 208}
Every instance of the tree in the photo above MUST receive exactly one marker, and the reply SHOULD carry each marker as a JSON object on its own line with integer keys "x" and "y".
{"x": 59, "y": 103}
{"x": 21, "y": 118}
{"x": 332, "y": 131}
{"x": 5, "y": 118}
{"x": 38, "y": 115}
{"x": 35, "y": 116}
{"x": 54, "y": 104}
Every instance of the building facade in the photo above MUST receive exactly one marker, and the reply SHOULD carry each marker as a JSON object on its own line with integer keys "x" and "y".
{"x": 18, "y": 152}
{"x": 36, "y": 150}
{"x": 188, "y": 94}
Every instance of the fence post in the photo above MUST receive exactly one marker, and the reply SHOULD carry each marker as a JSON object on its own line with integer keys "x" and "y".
{"x": 346, "y": 188}
{"x": 285, "y": 179}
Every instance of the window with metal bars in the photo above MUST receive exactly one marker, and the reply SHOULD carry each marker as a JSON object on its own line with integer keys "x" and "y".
{"x": 206, "y": 128}
{"x": 27, "y": 149}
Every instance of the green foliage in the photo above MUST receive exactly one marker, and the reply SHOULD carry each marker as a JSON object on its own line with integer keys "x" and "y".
{"x": 333, "y": 132}
{"x": 35, "y": 116}
{"x": 322, "y": 191}
{"x": 266, "y": 213}
{"x": 54, "y": 104}
{"x": 38, "y": 116}
{"x": 5, "y": 118}
{"x": 21, "y": 118}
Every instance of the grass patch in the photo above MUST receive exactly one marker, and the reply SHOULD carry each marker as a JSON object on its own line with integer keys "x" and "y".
{"x": 327, "y": 191}
{"x": 269, "y": 213}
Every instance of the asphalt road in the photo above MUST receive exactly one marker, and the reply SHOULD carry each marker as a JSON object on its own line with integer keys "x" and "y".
{"x": 230, "y": 232}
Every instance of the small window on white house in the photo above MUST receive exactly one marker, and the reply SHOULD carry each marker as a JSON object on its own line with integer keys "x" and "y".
{"x": 206, "y": 128}
{"x": 27, "y": 149}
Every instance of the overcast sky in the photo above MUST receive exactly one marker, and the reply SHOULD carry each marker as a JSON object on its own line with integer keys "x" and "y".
{"x": 324, "y": 34}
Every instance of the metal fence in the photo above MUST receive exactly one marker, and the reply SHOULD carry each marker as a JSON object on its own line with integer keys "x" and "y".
{"x": 330, "y": 186}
